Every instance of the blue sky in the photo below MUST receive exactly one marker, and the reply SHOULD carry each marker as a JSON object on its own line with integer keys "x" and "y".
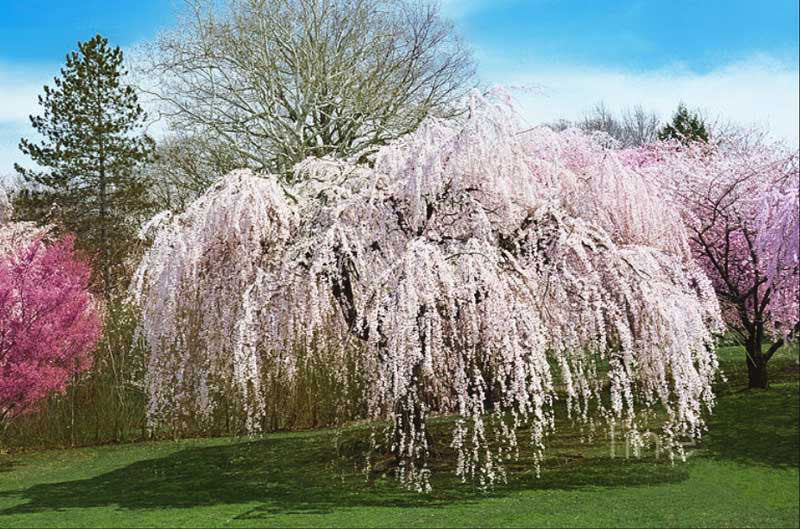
{"x": 634, "y": 35}
{"x": 734, "y": 60}
{"x": 43, "y": 31}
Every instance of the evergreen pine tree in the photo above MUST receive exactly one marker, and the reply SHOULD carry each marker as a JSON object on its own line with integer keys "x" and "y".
{"x": 86, "y": 180}
{"x": 685, "y": 127}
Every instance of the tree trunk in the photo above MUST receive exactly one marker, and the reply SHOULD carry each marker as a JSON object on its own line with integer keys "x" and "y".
{"x": 756, "y": 367}
{"x": 104, "y": 235}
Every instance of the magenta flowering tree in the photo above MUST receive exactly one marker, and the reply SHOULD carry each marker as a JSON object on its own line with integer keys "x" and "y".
{"x": 478, "y": 268}
{"x": 739, "y": 201}
{"x": 49, "y": 323}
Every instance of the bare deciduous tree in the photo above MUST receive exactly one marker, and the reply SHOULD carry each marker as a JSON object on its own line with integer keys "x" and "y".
{"x": 185, "y": 165}
{"x": 601, "y": 119}
{"x": 632, "y": 128}
{"x": 282, "y": 80}
{"x": 639, "y": 126}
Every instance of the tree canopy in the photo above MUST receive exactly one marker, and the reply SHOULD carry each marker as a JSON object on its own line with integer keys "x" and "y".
{"x": 282, "y": 80}
{"x": 739, "y": 201}
{"x": 685, "y": 127}
{"x": 49, "y": 322}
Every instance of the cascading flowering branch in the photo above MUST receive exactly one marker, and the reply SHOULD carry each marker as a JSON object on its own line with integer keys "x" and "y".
{"x": 481, "y": 272}
{"x": 739, "y": 201}
{"x": 195, "y": 290}
{"x": 49, "y": 322}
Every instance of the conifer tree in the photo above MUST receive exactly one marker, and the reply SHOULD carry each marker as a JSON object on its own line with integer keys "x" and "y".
{"x": 92, "y": 143}
{"x": 686, "y": 127}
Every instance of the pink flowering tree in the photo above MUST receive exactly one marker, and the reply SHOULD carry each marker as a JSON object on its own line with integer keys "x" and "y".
{"x": 481, "y": 270}
{"x": 779, "y": 230}
{"x": 49, "y": 323}
{"x": 739, "y": 201}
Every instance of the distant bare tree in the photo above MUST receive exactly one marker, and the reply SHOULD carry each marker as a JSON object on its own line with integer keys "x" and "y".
{"x": 281, "y": 80}
{"x": 601, "y": 119}
{"x": 185, "y": 166}
{"x": 639, "y": 127}
{"x": 560, "y": 125}
{"x": 727, "y": 132}
{"x": 632, "y": 128}
{"x": 5, "y": 206}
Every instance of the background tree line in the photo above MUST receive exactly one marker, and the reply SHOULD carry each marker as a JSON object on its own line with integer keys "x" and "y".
{"x": 637, "y": 126}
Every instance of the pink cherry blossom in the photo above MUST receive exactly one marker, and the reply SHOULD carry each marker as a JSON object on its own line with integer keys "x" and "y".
{"x": 739, "y": 201}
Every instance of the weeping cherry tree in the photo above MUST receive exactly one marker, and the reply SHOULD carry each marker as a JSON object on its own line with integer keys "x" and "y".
{"x": 480, "y": 270}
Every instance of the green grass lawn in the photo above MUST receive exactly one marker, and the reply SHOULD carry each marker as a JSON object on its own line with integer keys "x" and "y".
{"x": 744, "y": 475}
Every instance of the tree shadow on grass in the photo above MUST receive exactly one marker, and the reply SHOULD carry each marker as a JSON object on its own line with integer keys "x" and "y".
{"x": 294, "y": 475}
{"x": 297, "y": 474}
{"x": 757, "y": 427}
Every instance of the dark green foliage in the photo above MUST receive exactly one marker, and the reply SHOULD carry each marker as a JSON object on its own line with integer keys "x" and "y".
{"x": 86, "y": 181}
{"x": 685, "y": 127}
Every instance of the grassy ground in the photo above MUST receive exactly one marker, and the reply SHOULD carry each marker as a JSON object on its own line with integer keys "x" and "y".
{"x": 744, "y": 475}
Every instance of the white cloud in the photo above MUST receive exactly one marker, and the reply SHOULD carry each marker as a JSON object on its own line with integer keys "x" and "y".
{"x": 759, "y": 91}
{"x": 19, "y": 88}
